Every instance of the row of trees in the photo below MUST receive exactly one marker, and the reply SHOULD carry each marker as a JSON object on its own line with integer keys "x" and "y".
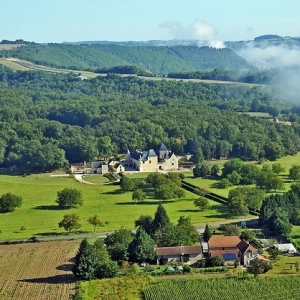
{"x": 237, "y": 172}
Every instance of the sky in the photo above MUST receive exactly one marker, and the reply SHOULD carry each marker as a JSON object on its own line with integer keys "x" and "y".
{"x": 59, "y": 21}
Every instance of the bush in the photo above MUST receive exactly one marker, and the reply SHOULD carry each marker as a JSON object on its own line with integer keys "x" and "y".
{"x": 9, "y": 202}
{"x": 186, "y": 269}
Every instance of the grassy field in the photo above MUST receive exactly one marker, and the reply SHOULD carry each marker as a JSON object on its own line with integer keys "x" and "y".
{"x": 39, "y": 214}
{"x": 96, "y": 179}
{"x": 37, "y": 270}
{"x": 12, "y": 65}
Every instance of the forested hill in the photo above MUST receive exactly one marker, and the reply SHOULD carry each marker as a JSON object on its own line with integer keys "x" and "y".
{"x": 158, "y": 60}
{"x": 46, "y": 119}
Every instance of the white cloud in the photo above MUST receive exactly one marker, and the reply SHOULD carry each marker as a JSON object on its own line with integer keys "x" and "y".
{"x": 198, "y": 30}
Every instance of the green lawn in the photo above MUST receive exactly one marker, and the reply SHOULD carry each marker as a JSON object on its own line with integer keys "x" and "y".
{"x": 284, "y": 265}
{"x": 96, "y": 179}
{"x": 39, "y": 214}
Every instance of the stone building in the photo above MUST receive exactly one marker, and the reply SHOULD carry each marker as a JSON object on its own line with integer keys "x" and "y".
{"x": 152, "y": 160}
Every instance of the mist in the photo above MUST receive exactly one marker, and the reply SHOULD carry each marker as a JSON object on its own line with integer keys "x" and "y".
{"x": 285, "y": 63}
{"x": 200, "y": 31}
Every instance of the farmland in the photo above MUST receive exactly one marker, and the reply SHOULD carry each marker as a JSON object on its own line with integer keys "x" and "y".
{"x": 37, "y": 270}
{"x": 285, "y": 288}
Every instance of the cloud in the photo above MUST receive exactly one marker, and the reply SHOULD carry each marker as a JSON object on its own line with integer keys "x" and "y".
{"x": 198, "y": 30}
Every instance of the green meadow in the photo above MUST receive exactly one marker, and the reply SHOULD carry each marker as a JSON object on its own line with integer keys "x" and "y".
{"x": 39, "y": 214}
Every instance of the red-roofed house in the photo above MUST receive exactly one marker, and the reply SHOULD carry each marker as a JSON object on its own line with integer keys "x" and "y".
{"x": 232, "y": 248}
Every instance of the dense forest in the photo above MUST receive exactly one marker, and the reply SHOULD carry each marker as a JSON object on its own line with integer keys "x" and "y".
{"x": 48, "y": 120}
{"x": 157, "y": 60}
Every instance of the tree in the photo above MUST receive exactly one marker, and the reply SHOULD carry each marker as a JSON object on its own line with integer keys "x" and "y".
{"x": 70, "y": 222}
{"x": 248, "y": 235}
{"x": 85, "y": 262}
{"x": 127, "y": 184}
{"x": 201, "y": 171}
{"x": 69, "y": 197}
{"x": 92, "y": 261}
{"x": 185, "y": 232}
{"x": 230, "y": 230}
{"x": 254, "y": 197}
{"x": 142, "y": 247}
{"x": 161, "y": 218}
{"x": 215, "y": 261}
{"x": 294, "y": 172}
{"x": 207, "y": 233}
{"x": 166, "y": 236}
{"x": 9, "y": 202}
{"x": 117, "y": 244}
{"x": 145, "y": 222}
{"x": 257, "y": 266}
{"x": 234, "y": 177}
{"x": 273, "y": 253}
{"x": 224, "y": 183}
{"x": 268, "y": 180}
{"x": 202, "y": 203}
{"x": 236, "y": 202}
{"x": 95, "y": 221}
{"x": 197, "y": 171}
{"x": 215, "y": 170}
{"x": 278, "y": 168}
{"x": 138, "y": 195}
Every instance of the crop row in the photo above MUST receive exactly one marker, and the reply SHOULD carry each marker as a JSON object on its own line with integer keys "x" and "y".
{"x": 285, "y": 288}
{"x": 37, "y": 271}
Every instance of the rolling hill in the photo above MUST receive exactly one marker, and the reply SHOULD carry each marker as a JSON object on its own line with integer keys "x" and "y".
{"x": 158, "y": 60}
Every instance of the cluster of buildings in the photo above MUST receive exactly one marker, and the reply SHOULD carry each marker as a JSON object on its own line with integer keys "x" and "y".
{"x": 228, "y": 248}
{"x": 150, "y": 160}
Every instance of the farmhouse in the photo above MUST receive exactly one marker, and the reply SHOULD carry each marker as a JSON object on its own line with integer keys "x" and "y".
{"x": 231, "y": 249}
{"x": 151, "y": 160}
{"x": 187, "y": 254}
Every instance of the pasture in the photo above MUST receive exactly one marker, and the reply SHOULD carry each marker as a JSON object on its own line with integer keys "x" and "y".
{"x": 37, "y": 270}
{"x": 39, "y": 214}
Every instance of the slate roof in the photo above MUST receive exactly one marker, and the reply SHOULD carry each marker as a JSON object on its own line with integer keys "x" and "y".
{"x": 243, "y": 246}
{"x": 138, "y": 155}
{"x": 179, "y": 250}
{"x": 162, "y": 147}
{"x": 223, "y": 241}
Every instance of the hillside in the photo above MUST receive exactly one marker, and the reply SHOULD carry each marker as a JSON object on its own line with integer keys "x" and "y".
{"x": 158, "y": 60}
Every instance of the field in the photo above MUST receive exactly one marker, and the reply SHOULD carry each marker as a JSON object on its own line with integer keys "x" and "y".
{"x": 128, "y": 287}
{"x": 284, "y": 288}
{"x": 37, "y": 270}
{"x": 39, "y": 214}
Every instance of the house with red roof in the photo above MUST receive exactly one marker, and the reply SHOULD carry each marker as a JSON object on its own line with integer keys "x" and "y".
{"x": 231, "y": 249}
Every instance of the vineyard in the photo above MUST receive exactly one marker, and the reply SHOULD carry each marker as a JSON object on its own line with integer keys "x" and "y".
{"x": 283, "y": 288}
{"x": 37, "y": 270}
